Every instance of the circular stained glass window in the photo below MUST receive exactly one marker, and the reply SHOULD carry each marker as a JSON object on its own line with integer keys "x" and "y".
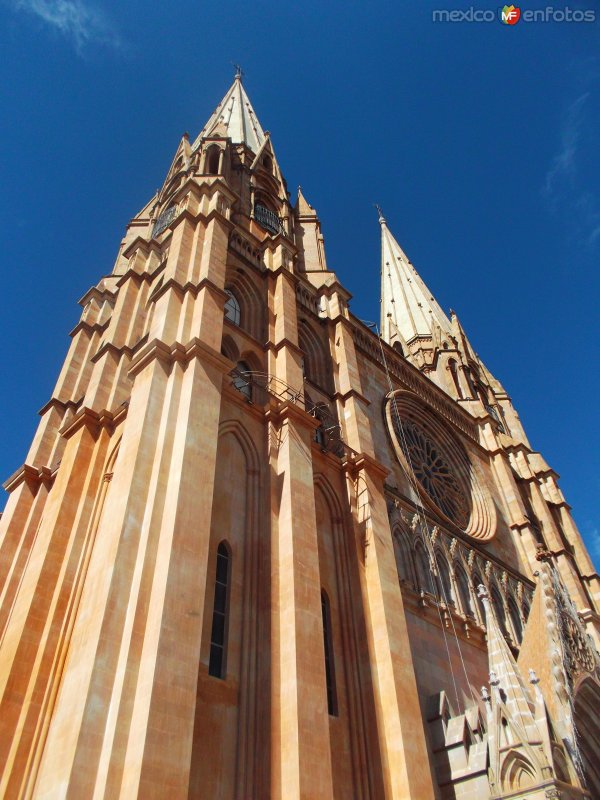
{"x": 426, "y": 445}
{"x": 433, "y": 472}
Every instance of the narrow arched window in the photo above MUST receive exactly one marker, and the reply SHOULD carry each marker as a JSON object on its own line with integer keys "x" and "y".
{"x": 454, "y": 373}
{"x": 423, "y": 568}
{"x": 445, "y": 583}
{"x": 212, "y": 160}
{"x": 329, "y": 665}
{"x": 217, "y": 664}
{"x": 403, "y": 558}
{"x": 515, "y": 619}
{"x": 463, "y": 590}
{"x": 232, "y": 308}
{"x": 242, "y": 379}
{"x": 498, "y": 604}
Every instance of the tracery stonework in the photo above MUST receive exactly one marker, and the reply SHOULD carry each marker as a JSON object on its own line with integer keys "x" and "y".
{"x": 432, "y": 470}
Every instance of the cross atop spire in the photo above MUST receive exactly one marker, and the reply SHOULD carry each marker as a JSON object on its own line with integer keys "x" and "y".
{"x": 236, "y": 117}
{"x": 380, "y": 212}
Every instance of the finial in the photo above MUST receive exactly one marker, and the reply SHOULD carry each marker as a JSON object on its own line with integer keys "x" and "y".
{"x": 380, "y": 212}
{"x": 533, "y": 678}
{"x": 239, "y": 74}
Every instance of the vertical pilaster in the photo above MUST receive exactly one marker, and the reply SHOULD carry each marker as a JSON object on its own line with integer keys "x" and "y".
{"x": 404, "y": 757}
{"x": 301, "y": 765}
{"x": 301, "y": 751}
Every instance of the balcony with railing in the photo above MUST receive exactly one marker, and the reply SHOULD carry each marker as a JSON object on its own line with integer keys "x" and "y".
{"x": 268, "y": 219}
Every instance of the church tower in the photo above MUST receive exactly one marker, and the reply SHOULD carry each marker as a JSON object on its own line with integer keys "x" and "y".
{"x": 258, "y": 551}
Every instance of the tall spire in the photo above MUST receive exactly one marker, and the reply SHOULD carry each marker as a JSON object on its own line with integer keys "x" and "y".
{"x": 407, "y": 306}
{"x": 234, "y": 117}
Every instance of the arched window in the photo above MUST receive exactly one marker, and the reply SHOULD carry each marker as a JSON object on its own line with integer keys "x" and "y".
{"x": 328, "y": 647}
{"x": 444, "y": 582}
{"x": 463, "y": 590}
{"x": 398, "y": 348}
{"x": 498, "y": 604}
{"x": 212, "y": 160}
{"x": 403, "y": 558}
{"x": 217, "y": 664}
{"x": 232, "y": 308}
{"x": 242, "y": 379}
{"x": 423, "y": 570}
{"x": 454, "y": 373}
{"x": 267, "y": 163}
{"x": 317, "y": 362}
{"x": 515, "y": 619}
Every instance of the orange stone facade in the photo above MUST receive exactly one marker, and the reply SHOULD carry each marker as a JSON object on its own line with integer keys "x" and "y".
{"x": 257, "y": 550}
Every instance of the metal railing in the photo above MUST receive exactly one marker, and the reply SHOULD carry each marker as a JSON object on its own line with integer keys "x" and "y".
{"x": 257, "y": 386}
{"x": 268, "y": 219}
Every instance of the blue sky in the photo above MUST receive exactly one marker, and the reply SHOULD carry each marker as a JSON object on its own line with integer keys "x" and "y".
{"x": 479, "y": 141}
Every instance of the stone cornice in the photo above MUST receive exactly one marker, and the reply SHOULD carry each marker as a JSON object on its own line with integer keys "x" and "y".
{"x": 147, "y": 246}
{"x": 291, "y": 277}
{"x": 190, "y": 288}
{"x": 325, "y": 289}
{"x": 351, "y": 393}
{"x": 60, "y": 405}
{"x": 32, "y": 476}
{"x": 99, "y": 294}
{"x": 275, "y": 348}
{"x": 133, "y": 275}
{"x": 110, "y": 347}
{"x": 82, "y": 325}
{"x": 94, "y": 421}
{"x": 358, "y": 462}
{"x": 287, "y": 410}
{"x": 177, "y": 352}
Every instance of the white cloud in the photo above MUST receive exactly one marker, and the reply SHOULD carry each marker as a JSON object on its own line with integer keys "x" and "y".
{"x": 564, "y": 162}
{"x": 80, "y": 22}
{"x": 567, "y": 185}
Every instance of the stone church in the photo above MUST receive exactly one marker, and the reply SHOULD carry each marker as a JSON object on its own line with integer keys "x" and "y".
{"x": 261, "y": 549}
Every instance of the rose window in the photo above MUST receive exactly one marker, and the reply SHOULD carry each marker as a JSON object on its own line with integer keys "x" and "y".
{"x": 448, "y": 480}
{"x": 433, "y": 472}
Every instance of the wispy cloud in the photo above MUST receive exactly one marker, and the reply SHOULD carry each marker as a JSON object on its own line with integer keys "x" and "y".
{"x": 566, "y": 184}
{"x": 82, "y": 23}
{"x": 564, "y": 163}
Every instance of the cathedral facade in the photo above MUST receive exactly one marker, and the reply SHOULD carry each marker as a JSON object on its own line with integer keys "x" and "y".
{"x": 259, "y": 549}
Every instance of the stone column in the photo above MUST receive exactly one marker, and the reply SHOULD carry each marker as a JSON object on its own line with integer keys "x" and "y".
{"x": 301, "y": 757}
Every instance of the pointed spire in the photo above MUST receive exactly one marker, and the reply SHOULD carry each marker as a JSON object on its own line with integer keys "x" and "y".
{"x": 234, "y": 117}
{"x": 303, "y": 207}
{"x": 405, "y": 299}
{"x": 505, "y": 675}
